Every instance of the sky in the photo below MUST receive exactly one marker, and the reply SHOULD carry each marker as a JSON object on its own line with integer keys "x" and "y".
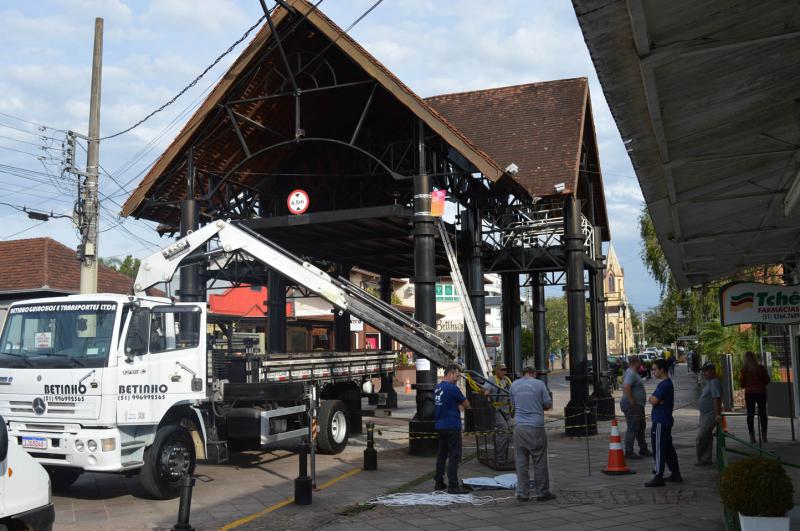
{"x": 154, "y": 48}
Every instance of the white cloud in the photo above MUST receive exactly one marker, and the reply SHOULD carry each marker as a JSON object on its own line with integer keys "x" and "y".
{"x": 196, "y": 16}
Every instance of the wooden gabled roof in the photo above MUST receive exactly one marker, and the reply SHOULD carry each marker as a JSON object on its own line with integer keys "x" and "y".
{"x": 254, "y": 52}
{"x": 541, "y": 127}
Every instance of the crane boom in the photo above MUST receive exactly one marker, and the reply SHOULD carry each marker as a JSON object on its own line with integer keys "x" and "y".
{"x": 422, "y": 339}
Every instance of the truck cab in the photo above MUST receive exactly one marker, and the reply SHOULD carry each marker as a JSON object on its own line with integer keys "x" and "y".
{"x": 87, "y": 380}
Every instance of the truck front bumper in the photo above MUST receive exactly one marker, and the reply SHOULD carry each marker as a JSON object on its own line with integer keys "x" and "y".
{"x": 93, "y": 449}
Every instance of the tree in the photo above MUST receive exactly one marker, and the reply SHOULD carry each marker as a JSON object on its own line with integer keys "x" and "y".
{"x": 557, "y": 324}
{"x": 129, "y": 266}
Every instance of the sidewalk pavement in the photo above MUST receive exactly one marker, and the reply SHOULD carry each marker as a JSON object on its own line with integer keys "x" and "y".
{"x": 586, "y": 499}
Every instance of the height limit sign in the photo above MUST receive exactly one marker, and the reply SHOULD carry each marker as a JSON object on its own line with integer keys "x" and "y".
{"x": 298, "y": 202}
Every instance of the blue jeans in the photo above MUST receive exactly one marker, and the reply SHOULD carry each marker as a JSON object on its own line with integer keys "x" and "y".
{"x": 450, "y": 452}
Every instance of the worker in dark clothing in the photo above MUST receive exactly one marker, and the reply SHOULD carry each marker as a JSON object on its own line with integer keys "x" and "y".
{"x": 449, "y": 402}
{"x": 754, "y": 380}
{"x": 663, "y": 402}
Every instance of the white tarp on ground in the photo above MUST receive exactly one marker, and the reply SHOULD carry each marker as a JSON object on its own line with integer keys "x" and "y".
{"x": 503, "y": 481}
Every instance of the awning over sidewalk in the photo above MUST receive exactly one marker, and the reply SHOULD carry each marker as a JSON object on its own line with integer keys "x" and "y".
{"x": 706, "y": 96}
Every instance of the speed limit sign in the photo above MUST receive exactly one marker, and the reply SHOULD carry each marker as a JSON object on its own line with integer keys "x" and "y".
{"x": 298, "y": 202}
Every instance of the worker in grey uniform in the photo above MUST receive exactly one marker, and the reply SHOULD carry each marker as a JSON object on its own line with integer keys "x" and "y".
{"x": 530, "y": 399}
{"x": 710, "y": 406}
{"x": 501, "y": 403}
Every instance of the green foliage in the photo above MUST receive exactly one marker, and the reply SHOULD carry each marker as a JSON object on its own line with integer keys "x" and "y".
{"x": 756, "y": 486}
{"x": 129, "y": 266}
{"x": 651, "y": 252}
{"x": 527, "y": 341}
{"x": 715, "y": 340}
{"x": 557, "y": 324}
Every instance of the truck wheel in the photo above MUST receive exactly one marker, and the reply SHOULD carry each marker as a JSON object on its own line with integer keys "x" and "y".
{"x": 332, "y": 436}
{"x": 63, "y": 477}
{"x": 166, "y": 461}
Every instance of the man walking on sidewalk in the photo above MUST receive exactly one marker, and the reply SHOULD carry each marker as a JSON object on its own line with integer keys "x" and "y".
{"x": 530, "y": 399}
{"x": 710, "y": 405}
{"x": 449, "y": 402}
{"x": 663, "y": 401}
{"x": 632, "y": 404}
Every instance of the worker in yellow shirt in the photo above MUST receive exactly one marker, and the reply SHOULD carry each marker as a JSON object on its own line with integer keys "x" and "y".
{"x": 501, "y": 402}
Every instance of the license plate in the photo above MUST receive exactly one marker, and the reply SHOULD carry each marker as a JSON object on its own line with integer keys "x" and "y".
{"x": 34, "y": 442}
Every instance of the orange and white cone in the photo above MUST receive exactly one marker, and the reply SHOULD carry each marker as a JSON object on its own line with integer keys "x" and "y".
{"x": 616, "y": 456}
{"x": 408, "y": 387}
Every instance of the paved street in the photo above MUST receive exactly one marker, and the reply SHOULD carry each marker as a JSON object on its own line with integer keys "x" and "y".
{"x": 252, "y": 492}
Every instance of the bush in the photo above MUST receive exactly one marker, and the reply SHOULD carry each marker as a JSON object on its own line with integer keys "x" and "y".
{"x": 756, "y": 486}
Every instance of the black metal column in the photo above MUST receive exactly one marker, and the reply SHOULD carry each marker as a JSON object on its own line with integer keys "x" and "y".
{"x": 512, "y": 323}
{"x": 276, "y": 302}
{"x": 190, "y": 285}
{"x": 602, "y": 397}
{"x": 581, "y": 418}
{"x": 477, "y": 294}
{"x": 387, "y": 382}
{"x": 424, "y": 303}
{"x": 539, "y": 326}
{"x": 341, "y": 321}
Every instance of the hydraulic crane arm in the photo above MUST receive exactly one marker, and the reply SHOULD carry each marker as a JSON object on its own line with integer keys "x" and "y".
{"x": 422, "y": 339}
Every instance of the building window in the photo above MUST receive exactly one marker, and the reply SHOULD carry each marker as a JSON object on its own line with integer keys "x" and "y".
{"x": 611, "y": 284}
{"x": 612, "y": 333}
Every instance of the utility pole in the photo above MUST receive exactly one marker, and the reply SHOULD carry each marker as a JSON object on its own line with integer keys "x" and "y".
{"x": 91, "y": 203}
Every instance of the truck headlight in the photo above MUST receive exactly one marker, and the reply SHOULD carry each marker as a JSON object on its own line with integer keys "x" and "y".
{"x": 92, "y": 445}
{"x": 108, "y": 445}
{"x": 79, "y": 445}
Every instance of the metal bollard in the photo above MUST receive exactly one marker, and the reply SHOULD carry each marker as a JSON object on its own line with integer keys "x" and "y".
{"x": 370, "y": 454}
{"x": 185, "y": 507}
{"x": 302, "y": 485}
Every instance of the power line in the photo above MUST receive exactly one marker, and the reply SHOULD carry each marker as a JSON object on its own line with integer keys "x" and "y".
{"x": 190, "y": 85}
{"x": 32, "y": 123}
{"x": 38, "y": 135}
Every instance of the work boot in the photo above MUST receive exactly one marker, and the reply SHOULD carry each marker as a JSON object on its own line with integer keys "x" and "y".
{"x": 631, "y": 455}
{"x": 440, "y": 485}
{"x": 521, "y": 498}
{"x": 457, "y": 490}
{"x": 547, "y": 496}
{"x": 657, "y": 481}
{"x": 674, "y": 478}
{"x": 645, "y": 453}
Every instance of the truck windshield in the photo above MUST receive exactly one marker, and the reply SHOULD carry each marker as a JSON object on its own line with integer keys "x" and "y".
{"x": 58, "y": 335}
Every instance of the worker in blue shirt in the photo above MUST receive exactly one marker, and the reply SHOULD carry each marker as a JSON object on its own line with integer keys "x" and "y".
{"x": 663, "y": 402}
{"x": 449, "y": 402}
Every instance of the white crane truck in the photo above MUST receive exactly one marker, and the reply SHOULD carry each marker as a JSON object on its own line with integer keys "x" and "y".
{"x": 126, "y": 384}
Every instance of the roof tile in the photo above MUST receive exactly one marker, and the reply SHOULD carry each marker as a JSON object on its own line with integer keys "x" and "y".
{"x": 38, "y": 263}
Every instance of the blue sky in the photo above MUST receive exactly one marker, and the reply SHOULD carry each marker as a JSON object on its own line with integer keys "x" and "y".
{"x": 152, "y": 49}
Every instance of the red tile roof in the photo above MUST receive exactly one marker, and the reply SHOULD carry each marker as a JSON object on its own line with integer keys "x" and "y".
{"x": 38, "y": 263}
{"x": 537, "y": 126}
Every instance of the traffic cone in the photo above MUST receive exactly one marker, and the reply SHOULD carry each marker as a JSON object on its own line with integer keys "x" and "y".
{"x": 616, "y": 456}
{"x": 408, "y": 387}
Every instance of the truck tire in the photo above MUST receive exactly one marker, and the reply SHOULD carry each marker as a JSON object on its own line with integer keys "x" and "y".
{"x": 333, "y": 434}
{"x": 166, "y": 461}
{"x": 63, "y": 477}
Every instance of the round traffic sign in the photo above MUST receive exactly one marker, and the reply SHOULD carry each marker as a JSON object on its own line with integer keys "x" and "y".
{"x": 298, "y": 201}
